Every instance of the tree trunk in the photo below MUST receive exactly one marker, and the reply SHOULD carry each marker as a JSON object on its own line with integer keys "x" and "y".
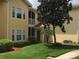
{"x": 47, "y": 39}
{"x": 54, "y": 34}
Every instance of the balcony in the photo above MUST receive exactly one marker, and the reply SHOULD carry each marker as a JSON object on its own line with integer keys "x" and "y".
{"x": 31, "y": 21}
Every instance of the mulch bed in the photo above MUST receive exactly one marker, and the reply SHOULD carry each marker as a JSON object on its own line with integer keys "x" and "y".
{"x": 16, "y": 49}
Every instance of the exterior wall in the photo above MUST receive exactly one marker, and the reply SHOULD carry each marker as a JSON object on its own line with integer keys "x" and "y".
{"x": 71, "y": 29}
{"x": 15, "y": 23}
{"x": 3, "y": 20}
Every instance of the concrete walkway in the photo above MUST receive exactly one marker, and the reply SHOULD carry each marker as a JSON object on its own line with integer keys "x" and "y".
{"x": 68, "y": 55}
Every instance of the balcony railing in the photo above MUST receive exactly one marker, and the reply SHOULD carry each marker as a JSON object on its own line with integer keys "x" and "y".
{"x": 31, "y": 21}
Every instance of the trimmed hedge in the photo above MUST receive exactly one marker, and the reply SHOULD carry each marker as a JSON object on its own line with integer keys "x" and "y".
{"x": 20, "y": 44}
{"x": 5, "y": 45}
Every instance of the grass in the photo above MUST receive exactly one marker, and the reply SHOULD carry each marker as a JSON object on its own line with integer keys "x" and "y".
{"x": 36, "y": 51}
{"x": 76, "y": 57}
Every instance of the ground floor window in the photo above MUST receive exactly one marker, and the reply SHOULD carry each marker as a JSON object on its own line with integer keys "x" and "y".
{"x": 18, "y": 34}
{"x": 19, "y": 37}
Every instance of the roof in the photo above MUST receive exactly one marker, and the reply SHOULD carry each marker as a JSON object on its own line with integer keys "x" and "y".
{"x": 27, "y": 2}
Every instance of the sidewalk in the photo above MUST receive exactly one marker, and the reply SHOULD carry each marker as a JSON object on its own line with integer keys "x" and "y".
{"x": 68, "y": 55}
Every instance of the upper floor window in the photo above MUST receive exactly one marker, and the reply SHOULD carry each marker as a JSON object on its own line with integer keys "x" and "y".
{"x": 18, "y": 13}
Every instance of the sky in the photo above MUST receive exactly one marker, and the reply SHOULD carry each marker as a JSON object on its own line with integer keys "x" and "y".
{"x": 35, "y": 3}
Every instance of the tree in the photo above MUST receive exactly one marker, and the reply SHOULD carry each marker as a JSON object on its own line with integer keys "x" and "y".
{"x": 55, "y": 13}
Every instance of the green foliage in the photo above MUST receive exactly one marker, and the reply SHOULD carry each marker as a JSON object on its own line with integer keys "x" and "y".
{"x": 20, "y": 44}
{"x": 5, "y": 45}
{"x": 55, "y": 13}
{"x": 5, "y": 42}
{"x": 47, "y": 31}
{"x": 76, "y": 57}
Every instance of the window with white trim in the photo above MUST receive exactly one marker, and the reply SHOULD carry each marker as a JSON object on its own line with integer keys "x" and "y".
{"x": 18, "y": 35}
{"x": 18, "y": 13}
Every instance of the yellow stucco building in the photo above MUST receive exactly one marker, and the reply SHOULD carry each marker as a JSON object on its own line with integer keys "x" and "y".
{"x": 14, "y": 19}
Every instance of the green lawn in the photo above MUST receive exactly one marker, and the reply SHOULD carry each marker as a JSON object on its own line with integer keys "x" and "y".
{"x": 36, "y": 51}
{"x": 77, "y": 57}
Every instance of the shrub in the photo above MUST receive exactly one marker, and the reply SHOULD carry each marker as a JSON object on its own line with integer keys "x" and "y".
{"x": 54, "y": 45}
{"x": 20, "y": 44}
{"x": 67, "y": 41}
{"x": 57, "y": 44}
{"x": 5, "y": 45}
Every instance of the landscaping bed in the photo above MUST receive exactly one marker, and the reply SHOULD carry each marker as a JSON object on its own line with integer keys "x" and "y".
{"x": 7, "y": 45}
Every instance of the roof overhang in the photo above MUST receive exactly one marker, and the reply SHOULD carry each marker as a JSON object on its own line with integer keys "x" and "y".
{"x": 28, "y": 3}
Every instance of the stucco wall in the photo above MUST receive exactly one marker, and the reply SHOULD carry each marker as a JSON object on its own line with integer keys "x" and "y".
{"x": 3, "y": 20}
{"x": 71, "y": 29}
{"x": 15, "y": 23}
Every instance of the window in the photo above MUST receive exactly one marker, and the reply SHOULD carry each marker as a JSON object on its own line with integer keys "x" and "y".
{"x": 18, "y": 13}
{"x": 19, "y": 35}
